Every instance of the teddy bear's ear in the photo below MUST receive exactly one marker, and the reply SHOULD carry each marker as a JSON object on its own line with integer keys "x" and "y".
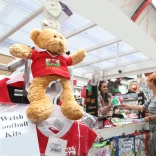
{"x": 34, "y": 34}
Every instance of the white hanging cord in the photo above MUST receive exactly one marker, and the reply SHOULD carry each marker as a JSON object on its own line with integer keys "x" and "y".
{"x": 58, "y": 94}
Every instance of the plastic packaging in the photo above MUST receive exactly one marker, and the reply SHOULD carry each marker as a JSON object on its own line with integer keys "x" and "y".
{"x": 89, "y": 120}
{"x": 75, "y": 136}
{"x": 95, "y": 78}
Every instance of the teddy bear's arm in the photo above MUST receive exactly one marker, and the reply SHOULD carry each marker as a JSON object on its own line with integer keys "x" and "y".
{"x": 78, "y": 56}
{"x": 21, "y": 51}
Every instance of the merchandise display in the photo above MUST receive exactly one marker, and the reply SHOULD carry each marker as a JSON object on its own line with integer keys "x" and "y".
{"x": 124, "y": 145}
{"x": 74, "y": 81}
{"x": 13, "y": 92}
{"x": 78, "y": 136}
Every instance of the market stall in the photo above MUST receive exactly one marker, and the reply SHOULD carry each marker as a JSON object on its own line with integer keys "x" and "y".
{"x": 116, "y": 48}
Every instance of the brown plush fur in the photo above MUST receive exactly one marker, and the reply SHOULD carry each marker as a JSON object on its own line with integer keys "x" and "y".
{"x": 40, "y": 107}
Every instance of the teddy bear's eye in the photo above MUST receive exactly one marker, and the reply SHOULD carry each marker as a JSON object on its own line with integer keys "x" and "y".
{"x": 60, "y": 37}
{"x": 54, "y": 36}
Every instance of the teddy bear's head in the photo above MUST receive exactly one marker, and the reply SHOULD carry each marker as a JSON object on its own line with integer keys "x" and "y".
{"x": 50, "y": 40}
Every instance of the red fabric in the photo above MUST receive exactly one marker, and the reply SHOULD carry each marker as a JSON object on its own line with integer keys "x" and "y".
{"x": 60, "y": 103}
{"x": 87, "y": 137}
{"x": 83, "y": 92}
{"x": 44, "y": 64}
{"x": 19, "y": 84}
{"x": 4, "y": 95}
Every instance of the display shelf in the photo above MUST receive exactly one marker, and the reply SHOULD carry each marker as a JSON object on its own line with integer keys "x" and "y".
{"x": 118, "y": 131}
{"x": 126, "y": 100}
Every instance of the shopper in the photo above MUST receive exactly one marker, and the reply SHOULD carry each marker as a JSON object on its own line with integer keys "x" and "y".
{"x": 150, "y": 105}
{"x": 144, "y": 87}
{"x": 105, "y": 106}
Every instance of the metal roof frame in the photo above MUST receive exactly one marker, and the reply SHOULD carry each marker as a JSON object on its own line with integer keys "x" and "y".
{"x": 114, "y": 24}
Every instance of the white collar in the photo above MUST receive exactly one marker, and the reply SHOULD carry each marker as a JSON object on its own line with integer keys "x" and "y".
{"x": 38, "y": 49}
{"x": 46, "y": 132}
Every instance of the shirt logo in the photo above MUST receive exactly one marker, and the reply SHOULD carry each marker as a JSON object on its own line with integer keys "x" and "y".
{"x": 53, "y": 62}
{"x": 71, "y": 151}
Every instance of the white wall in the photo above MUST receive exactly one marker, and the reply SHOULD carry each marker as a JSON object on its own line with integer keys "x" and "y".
{"x": 123, "y": 89}
{"x": 80, "y": 79}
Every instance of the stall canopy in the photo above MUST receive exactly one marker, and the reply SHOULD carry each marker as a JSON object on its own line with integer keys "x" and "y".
{"x": 108, "y": 48}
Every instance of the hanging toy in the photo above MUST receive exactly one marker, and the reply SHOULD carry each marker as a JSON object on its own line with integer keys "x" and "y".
{"x": 116, "y": 101}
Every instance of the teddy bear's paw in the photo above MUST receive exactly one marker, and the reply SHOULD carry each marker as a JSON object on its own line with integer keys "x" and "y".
{"x": 72, "y": 111}
{"x": 39, "y": 111}
{"x": 20, "y": 50}
{"x": 82, "y": 53}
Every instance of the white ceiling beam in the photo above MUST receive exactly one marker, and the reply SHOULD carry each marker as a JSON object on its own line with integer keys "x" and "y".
{"x": 104, "y": 59}
{"x": 133, "y": 69}
{"x": 118, "y": 23}
{"x": 21, "y": 23}
{"x": 81, "y": 29}
{"x": 78, "y": 74}
{"x": 97, "y": 46}
{"x": 115, "y": 66}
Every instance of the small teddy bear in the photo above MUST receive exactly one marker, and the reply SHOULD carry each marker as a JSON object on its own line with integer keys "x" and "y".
{"x": 49, "y": 63}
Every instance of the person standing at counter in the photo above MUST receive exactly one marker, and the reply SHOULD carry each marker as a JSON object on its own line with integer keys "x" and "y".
{"x": 105, "y": 98}
{"x": 150, "y": 105}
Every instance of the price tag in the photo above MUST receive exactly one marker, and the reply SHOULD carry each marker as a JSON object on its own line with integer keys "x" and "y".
{"x": 56, "y": 147}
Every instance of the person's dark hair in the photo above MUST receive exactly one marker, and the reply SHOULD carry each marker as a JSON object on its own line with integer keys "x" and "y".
{"x": 130, "y": 91}
{"x": 106, "y": 97}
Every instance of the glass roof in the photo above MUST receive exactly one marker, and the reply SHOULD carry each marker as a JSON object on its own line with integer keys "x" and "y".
{"x": 104, "y": 57}
{"x": 14, "y": 11}
{"x": 90, "y": 37}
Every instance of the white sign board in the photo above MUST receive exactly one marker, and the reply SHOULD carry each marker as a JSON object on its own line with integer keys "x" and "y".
{"x": 18, "y": 136}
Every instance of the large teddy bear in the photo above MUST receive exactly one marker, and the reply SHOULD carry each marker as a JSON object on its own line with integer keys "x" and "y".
{"x": 49, "y": 64}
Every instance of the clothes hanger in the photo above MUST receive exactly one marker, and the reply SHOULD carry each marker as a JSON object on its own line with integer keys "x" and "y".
{"x": 55, "y": 88}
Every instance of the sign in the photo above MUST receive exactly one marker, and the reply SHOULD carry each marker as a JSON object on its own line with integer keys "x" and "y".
{"x": 56, "y": 147}
{"x": 53, "y": 7}
{"x": 17, "y": 135}
{"x": 126, "y": 146}
{"x": 50, "y": 23}
{"x": 92, "y": 101}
